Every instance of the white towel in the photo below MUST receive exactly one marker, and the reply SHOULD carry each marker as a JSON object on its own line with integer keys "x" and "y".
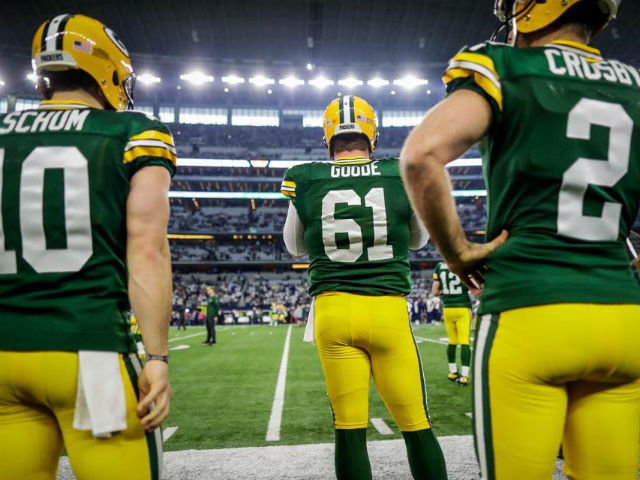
{"x": 309, "y": 330}
{"x": 100, "y": 401}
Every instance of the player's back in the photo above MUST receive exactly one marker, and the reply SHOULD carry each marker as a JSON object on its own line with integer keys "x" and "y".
{"x": 356, "y": 217}
{"x": 64, "y": 175}
{"x": 562, "y": 165}
{"x": 454, "y": 292}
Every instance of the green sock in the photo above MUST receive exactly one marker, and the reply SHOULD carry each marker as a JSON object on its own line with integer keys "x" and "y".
{"x": 451, "y": 353}
{"x": 425, "y": 455}
{"x": 352, "y": 459}
{"x": 465, "y": 355}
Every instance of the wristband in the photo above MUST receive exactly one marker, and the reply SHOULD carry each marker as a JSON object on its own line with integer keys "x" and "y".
{"x": 162, "y": 358}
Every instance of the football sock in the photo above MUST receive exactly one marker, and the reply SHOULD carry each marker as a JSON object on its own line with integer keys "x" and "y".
{"x": 465, "y": 356}
{"x": 425, "y": 455}
{"x": 352, "y": 459}
{"x": 451, "y": 357}
{"x": 465, "y": 371}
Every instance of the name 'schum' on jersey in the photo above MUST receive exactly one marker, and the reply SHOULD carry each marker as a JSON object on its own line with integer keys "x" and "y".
{"x": 562, "y": 168}
{"x": 356, "y": 225}
{"x": 65, "y": 172}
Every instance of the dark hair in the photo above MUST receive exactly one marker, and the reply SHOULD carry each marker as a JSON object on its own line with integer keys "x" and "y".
{"x": 67, "y": 80}
{"x": 586, "y": 16}
{"x": 349, "y": 141}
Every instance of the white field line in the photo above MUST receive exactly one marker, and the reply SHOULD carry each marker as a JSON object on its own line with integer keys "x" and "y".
{"x": 167, "y": 433}
{"x": 431, "y": 340}
{"x": 175, "y": 339}
{"x": 275, "y": 420}
{"x": 381, "y": 426}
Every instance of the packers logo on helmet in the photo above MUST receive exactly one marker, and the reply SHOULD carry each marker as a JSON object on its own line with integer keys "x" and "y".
{"x": 527, "y": 16}
{"x": 350, "y": 114}
{"x": 70, "y": 42}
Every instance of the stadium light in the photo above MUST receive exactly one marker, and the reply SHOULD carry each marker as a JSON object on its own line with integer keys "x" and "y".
{"x": 350, "y": 82}
{"x": 148, "y": 79}
{"x": 410, "y": 81}
{"x": 309, "y": 66}
{"x": 2, "y": 84}
{"x": 232, "y": 79}
{"x": 261, "y": 81}
{"x": 196, "y": 78}
{"x": 321, "y": 82}
{"x": 291, "y": 81}
{"x": 378, "y": 82}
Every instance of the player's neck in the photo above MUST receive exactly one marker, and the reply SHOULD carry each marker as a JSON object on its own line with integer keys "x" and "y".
{"x": 78, "y": 95}
{"x": 545, "y": 37}
{"x": 350, "y": 154}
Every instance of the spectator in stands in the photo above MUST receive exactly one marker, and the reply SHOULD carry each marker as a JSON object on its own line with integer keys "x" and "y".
{"x": 211, "y": 317}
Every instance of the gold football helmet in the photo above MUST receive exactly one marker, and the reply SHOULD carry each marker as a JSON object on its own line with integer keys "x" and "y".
{"x": 349, "y": 114}
{"x": 529, "y": 16}
{"x": 69, "y": 42}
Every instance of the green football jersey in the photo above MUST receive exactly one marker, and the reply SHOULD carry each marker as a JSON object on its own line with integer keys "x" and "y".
{"x": 356, "y": 218}
{"x": 454, "y": 292}
{"x": 65, "y": 171}
{"x": 562, "y": 167}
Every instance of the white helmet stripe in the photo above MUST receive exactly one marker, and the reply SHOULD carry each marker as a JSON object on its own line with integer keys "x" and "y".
{"x": 346, "y": 108}
{"x": 51, "y": 32}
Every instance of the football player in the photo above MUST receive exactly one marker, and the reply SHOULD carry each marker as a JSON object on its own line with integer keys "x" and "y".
{"x": 83, "y": 222}
{"x": 556, "y": 353}
{"x": 457, "y": 319}
{"x": 353, "y": 218}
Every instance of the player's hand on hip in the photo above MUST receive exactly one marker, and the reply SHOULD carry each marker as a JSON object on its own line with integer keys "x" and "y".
{"x": 470, "y": 264}
{"x": 153, "y": 384}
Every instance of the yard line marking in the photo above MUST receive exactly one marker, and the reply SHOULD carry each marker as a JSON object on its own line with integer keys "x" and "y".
{"x": 275, "y": 420}
{"x": 167, "y": 433}
{"x": 180, "y": 347}
{"x": 469, "y": 414}
{"x": 175, "y": 339}
{"x": 431, "y": 340}
{"x": 381, "y": 426}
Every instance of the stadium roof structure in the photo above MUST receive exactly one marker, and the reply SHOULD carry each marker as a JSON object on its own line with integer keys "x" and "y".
{"x": 282, "y": 39}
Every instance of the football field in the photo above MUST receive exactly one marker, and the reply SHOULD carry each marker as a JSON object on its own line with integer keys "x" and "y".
{"x": 223, "y": 395}
{"x": 223, "y": 409}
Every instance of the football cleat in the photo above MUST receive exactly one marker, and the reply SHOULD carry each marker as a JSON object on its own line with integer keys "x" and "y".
{"x": 453, "y": 376}
{"x": 78, "y": 42}
{"x": 349, "y": 114}
{"x": 464, "y": 381}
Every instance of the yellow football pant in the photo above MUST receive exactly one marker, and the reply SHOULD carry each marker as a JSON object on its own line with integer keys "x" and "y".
{"x": 357, "y": 336}
{"x": 37, "y": 402}
{"x": 564, "y": 373}
{"x": 457, "y": 321}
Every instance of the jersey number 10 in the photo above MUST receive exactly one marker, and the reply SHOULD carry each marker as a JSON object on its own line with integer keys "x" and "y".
{"x": 31, "y": 212}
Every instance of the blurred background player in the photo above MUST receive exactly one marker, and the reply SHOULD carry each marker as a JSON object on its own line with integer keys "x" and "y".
{"x": 457, "y": 319}
{"x": 556, "y": 355}
{"x": 213, "y": 310}
{"x": 85, "y": 219}
{"x": 352, "y": 216}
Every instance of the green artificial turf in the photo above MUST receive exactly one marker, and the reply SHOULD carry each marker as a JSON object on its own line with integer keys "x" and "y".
{"x": 222, "y": 395}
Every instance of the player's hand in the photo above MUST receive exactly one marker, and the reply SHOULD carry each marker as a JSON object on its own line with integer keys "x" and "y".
{"x": 153, "y": 385}
{"x": 470, "y": 264}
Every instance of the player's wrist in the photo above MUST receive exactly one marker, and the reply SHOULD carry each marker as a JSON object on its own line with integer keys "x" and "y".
{"x": 150, "y": 357}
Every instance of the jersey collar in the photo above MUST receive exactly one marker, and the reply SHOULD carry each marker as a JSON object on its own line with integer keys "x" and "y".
{"x": 352, "y": 160}
{"x": 579, "y": 48}
{"x": 61, "y": 105}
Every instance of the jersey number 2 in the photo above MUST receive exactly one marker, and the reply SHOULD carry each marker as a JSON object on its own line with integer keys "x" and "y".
{"x": 31, "y": 212}
{"x": 585, "y": 171}
{"x": 332, "y": 226}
